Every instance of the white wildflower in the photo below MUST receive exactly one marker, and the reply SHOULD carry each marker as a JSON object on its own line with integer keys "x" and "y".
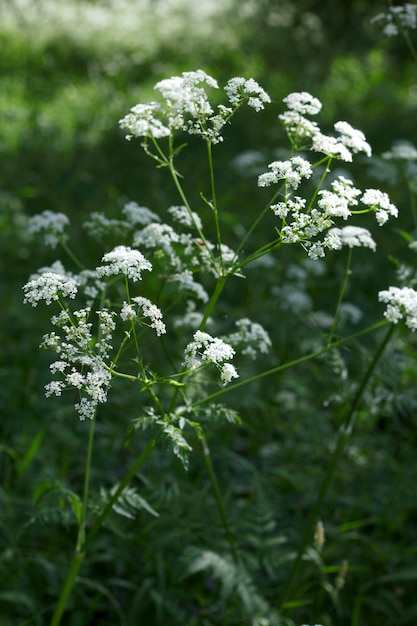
{"x": 51, "y": 225}
{"x": 298, "y": 126}
{"x": 99, "y": 225}
{"x": 294, "y": 204}
{"x": 152, "y": 312}
{"x": 124, "y": 260}
{"x": 402, "y": 303}
{"x": 204, "y": 348}
{"x": 239, "y": 89}
{"x": 379, "y": 202}
{"x": 185, "y": 217}
{"x": 136, "y": 214}
{"x": 333, "y": 205}
{"x": 143, "y": 121}
{"x": 331, "y": 146}
{"x": 352, "y": 138}
{"x": 344, "y": 188}
{"x": 353, "y": 236}
{"x": 159, "y": 236}
{"x": 186, "y": 282}
{"x": 401, "y": 151}
{"x": 227, "y": 372}
{"x": 292, "y": 171}
{"x": 49, "y": 286}
{"x": 251, "y": 337}
{"x": 303, "y": 102}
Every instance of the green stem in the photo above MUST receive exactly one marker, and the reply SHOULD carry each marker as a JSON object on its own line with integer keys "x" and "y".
{"x": 76, "y": 563}
{"x": 218, "y": 498}
{"x": 255, "y": 224}
{"x": 341, "y": 296}
{"x": 345, "y": 433}
{"x": 121, "y": 487}
{"x": 79, "y": 553}
{"x": 72, "y": 255}
{"x": 213, "y": 301}
{"x": 213, "y": 203}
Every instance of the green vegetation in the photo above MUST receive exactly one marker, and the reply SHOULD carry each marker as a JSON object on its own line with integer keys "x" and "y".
{"x": 287, "y": 500}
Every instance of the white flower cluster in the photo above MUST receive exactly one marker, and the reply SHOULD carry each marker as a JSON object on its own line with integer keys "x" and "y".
{"x": 300, "y": 129}
{"x": 187, "y": 107}
{"x": 350, "y": 236}
{"x": 186, "y": 283}
{"x": 239, "y": 89}
{"x": 148, "y": 309}
{"x": 251, "y": 337}
{"x": 81, "y": 367}
{"x": 99, "y": 225}
{"x": 136, "y": 214}
{"x": 401, "y": 151}
{"x": 49, "y": 286}
{"x": 51, "y": 225}
{"x": 338, "y": 202}
{"x": 402, "y": 16}
{"x": 379, "y": 202}
{"x": 292, "y": 171}
{"x": 124, "y": 260}
{"x": 185, "y": 217}
{"x": 402, "y": 303}
{"x": 207, "y": 349}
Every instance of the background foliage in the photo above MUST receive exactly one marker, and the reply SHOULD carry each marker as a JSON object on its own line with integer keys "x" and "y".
{"x": 69, "y": 71}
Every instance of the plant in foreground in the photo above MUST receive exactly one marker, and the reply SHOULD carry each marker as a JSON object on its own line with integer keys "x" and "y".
{"x": 158, "y": 291}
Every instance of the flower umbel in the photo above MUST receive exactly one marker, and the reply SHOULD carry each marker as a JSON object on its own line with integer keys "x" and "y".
{"x": 207, "y": 349}
{"x": 124, "y": 260}
{"x": 402, "y": 303}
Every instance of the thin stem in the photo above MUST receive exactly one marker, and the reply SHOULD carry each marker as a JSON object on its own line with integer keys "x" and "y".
{"x": 218, "y": 497}
{"x": 343, "y": 289}
{"x": 213, "y": 301}
{"x": 79, "y": 552}
{"x": 121, "y": 487}
{"x": 345, "y": 432}
{"x": 72, "y": 255}
{"x": 316, "y": 191}
{"x": 213, "y": 203}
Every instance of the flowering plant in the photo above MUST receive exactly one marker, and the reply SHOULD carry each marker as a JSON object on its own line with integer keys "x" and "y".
{"x": 108, "y": 316}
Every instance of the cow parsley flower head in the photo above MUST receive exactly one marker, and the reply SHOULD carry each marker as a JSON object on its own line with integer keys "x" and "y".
{"x": 183, "y": 216}
{"x": 297, "y": 126}
{"x": 50, "y": 225}
{"x": 303, "y": 102}
{"x": 251, "y": 337}
{"x": 379, "y": 202}
{"x": 142, "y": 307}
{"x": 49, "y": 286}
{"x": 331, "y": 146}
{"x": 185, "y": 95}
{"x": 144, "y": 120}
{"x": 351, "y": 236}
{"x": 81, "y": 362}
{"x": 402, "y": 304}
{"x": 124, "y": 260}
{"x": 204, "y": 349}
{"x": 291, "y": 171}
{"x": 239, "y": 89}
{"x": 352, "y": 138}
{"x": 136, "y": 214}
{"x": 401, "y": 151}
